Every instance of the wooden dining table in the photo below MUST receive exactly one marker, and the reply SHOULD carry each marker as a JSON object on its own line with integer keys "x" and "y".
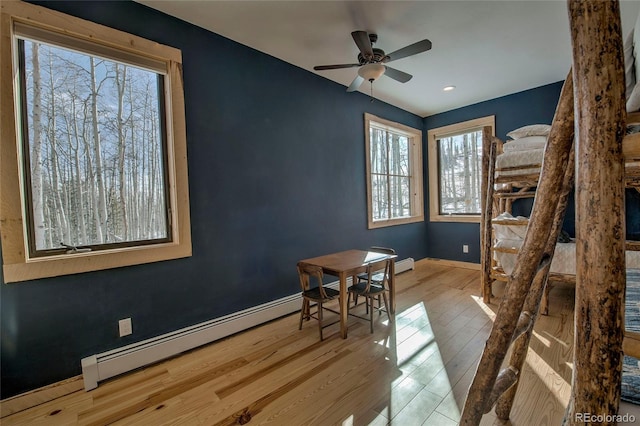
{"x": 350, "y": 263}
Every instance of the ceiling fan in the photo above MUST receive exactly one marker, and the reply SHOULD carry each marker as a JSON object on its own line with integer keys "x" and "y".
{"x": 371, "y": 60}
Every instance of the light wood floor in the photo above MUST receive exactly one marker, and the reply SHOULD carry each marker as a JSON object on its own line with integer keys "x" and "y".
{"x": 414, "y": 373}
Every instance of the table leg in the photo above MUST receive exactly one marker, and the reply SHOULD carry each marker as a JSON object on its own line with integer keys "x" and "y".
{"x": 343, "y": 305}
{"x": 392, "y": 287}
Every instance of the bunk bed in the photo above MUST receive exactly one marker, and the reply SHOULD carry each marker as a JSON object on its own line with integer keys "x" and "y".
{"x": 516, "y": 171}
{"x": 598, "y": 168}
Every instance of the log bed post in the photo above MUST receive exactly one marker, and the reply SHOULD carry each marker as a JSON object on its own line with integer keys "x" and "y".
{"x": 598, "y": 73}
{"x": 488, "y": 176}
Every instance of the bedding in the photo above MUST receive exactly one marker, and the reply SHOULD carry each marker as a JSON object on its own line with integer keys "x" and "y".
{"x": 526, "y": 143}
{"x": 532, "y": 157}
{"x": 507, "y": 231}
{"x": 530, "y": 130}
{"x": 510, "y": 237}
{"x": 521, "y": 158}
{"x": 632, "y": 64}
{"x": 564, "y": 258}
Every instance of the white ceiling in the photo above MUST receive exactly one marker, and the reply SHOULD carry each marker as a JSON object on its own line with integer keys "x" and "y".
{"x": 485, "y": 48}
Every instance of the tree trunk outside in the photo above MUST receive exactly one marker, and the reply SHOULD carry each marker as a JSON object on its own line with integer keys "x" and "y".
{"x": 37, "y": 198}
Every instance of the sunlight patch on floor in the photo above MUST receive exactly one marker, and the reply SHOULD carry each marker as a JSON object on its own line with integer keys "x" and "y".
{"x": 556, "y": 385}
{"x": 542, "y": 339}
{"x": 556, "y": 340}
{"x": 486, "y": 309}
{"x": 423, "y": 391}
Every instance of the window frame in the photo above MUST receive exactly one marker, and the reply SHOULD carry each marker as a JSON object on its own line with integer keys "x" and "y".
{"x": 415, "y": 174}
{"x": 18, "y": 264}
{"x": 434, "y": 167}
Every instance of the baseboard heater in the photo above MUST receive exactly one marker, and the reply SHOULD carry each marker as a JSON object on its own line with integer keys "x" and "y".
{"x": 102, "y": 366}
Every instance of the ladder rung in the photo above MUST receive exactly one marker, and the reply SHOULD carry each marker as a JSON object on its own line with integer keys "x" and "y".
{"x": 506, "y": 378}
{"x": 525, "y": 322}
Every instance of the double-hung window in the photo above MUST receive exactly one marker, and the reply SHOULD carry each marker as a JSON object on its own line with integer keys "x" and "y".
{"x": 99, "y": 179}
{"x": 394, "y": 173}
{"x": 455, "y": 170}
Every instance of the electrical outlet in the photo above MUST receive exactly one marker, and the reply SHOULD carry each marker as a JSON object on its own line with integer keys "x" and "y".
{"x": 465, "y": 248}
{"x": 124, "y": 325}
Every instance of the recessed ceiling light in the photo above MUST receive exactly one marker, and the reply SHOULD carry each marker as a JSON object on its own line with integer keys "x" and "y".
{"x": 448, "y": 88}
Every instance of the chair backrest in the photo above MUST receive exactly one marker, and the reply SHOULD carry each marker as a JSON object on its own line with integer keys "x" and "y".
{"x": 385, "y": 250}
{"x": 383, "y": 265}
{"x": 305, "y": 272}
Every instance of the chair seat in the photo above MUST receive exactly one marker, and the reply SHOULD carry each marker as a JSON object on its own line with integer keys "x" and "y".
{"x": 361, "y": 288}
{"x": 379, "y": 277}
{"x": 314, "y": 293}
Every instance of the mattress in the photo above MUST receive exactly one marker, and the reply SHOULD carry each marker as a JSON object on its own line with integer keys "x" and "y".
{"x": 529, "y": 161}
{"x": 564, "y": 258}
{"x": 520, "y": 159}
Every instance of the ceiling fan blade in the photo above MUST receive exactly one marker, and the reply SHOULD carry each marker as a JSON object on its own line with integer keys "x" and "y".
{"x": 412, "y": 49}
{"x": 334, "y": 67}
{"x": 397, "y": 75}
{"x": 355, "y": 84}
{"x": 364, "y": 44}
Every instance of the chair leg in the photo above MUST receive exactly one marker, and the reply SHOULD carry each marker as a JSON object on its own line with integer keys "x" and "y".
{"x": 302, "y": 312}
{"x": 305, "y": 312}
{"x": 370, "y": 300}
{"x": 379, "y": 311}
{"x": 320, "y": 319}
{"x": 386, "y": 306}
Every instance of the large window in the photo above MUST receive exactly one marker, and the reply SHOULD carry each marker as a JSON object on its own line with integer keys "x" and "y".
{"x": 100, "y": 175}
{"x": 394, "y": 172}
{"x": 455, "y": 171}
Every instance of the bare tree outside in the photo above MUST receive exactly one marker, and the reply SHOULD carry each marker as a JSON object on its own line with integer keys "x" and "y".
{"x": 460, "y": 159}
{"x": 95, "y": 147}
{"x": 390, "y": 174}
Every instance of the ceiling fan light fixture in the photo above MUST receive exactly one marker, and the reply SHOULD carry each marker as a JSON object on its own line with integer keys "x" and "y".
{"x": 371, "y": 72}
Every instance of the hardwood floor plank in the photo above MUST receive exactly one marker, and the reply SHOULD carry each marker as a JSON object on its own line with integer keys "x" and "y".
{"x": 414, "y": 371}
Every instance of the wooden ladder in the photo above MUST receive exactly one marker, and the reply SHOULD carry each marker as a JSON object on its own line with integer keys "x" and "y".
{"x": 600, "y": 266}
{"x": 519, "y": 307}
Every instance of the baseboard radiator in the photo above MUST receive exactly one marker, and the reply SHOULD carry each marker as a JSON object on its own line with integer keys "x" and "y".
{"x": 102, "y": 366}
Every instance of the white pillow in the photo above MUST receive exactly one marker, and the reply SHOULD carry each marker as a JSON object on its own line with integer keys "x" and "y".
{"x": 636, "y": 45}
{"x": 531, "y": 130}
{"x": 524, "y": 144}
{"x": 633, "y": 103}
{"x": 629, "y": 64}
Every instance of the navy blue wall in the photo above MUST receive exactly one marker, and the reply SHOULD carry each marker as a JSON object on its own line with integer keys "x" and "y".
{"x": 276, "y": 174}
{"x": 445, "y": 239}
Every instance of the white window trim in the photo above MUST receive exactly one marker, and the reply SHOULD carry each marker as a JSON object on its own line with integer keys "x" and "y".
{"x": 432, "y": 151}
{"x": 417, "y": 203}
{"x": 17, "y": 266}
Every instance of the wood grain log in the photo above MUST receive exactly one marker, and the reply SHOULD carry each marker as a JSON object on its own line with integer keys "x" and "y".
{"x": 598, "y": 73}
{"x": 506, "y": 380}
{"x": 537, "y": 299}
{"x": 488, "y": 164}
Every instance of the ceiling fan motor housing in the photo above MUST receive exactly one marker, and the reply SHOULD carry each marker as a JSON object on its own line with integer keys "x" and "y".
{"x": 378, "y": 56}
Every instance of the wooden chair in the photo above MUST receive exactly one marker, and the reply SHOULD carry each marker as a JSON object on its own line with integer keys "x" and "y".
{"x": 376, "y": 277}
{"x": 372, "y": 289}
{"x": 317, "y": 294}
